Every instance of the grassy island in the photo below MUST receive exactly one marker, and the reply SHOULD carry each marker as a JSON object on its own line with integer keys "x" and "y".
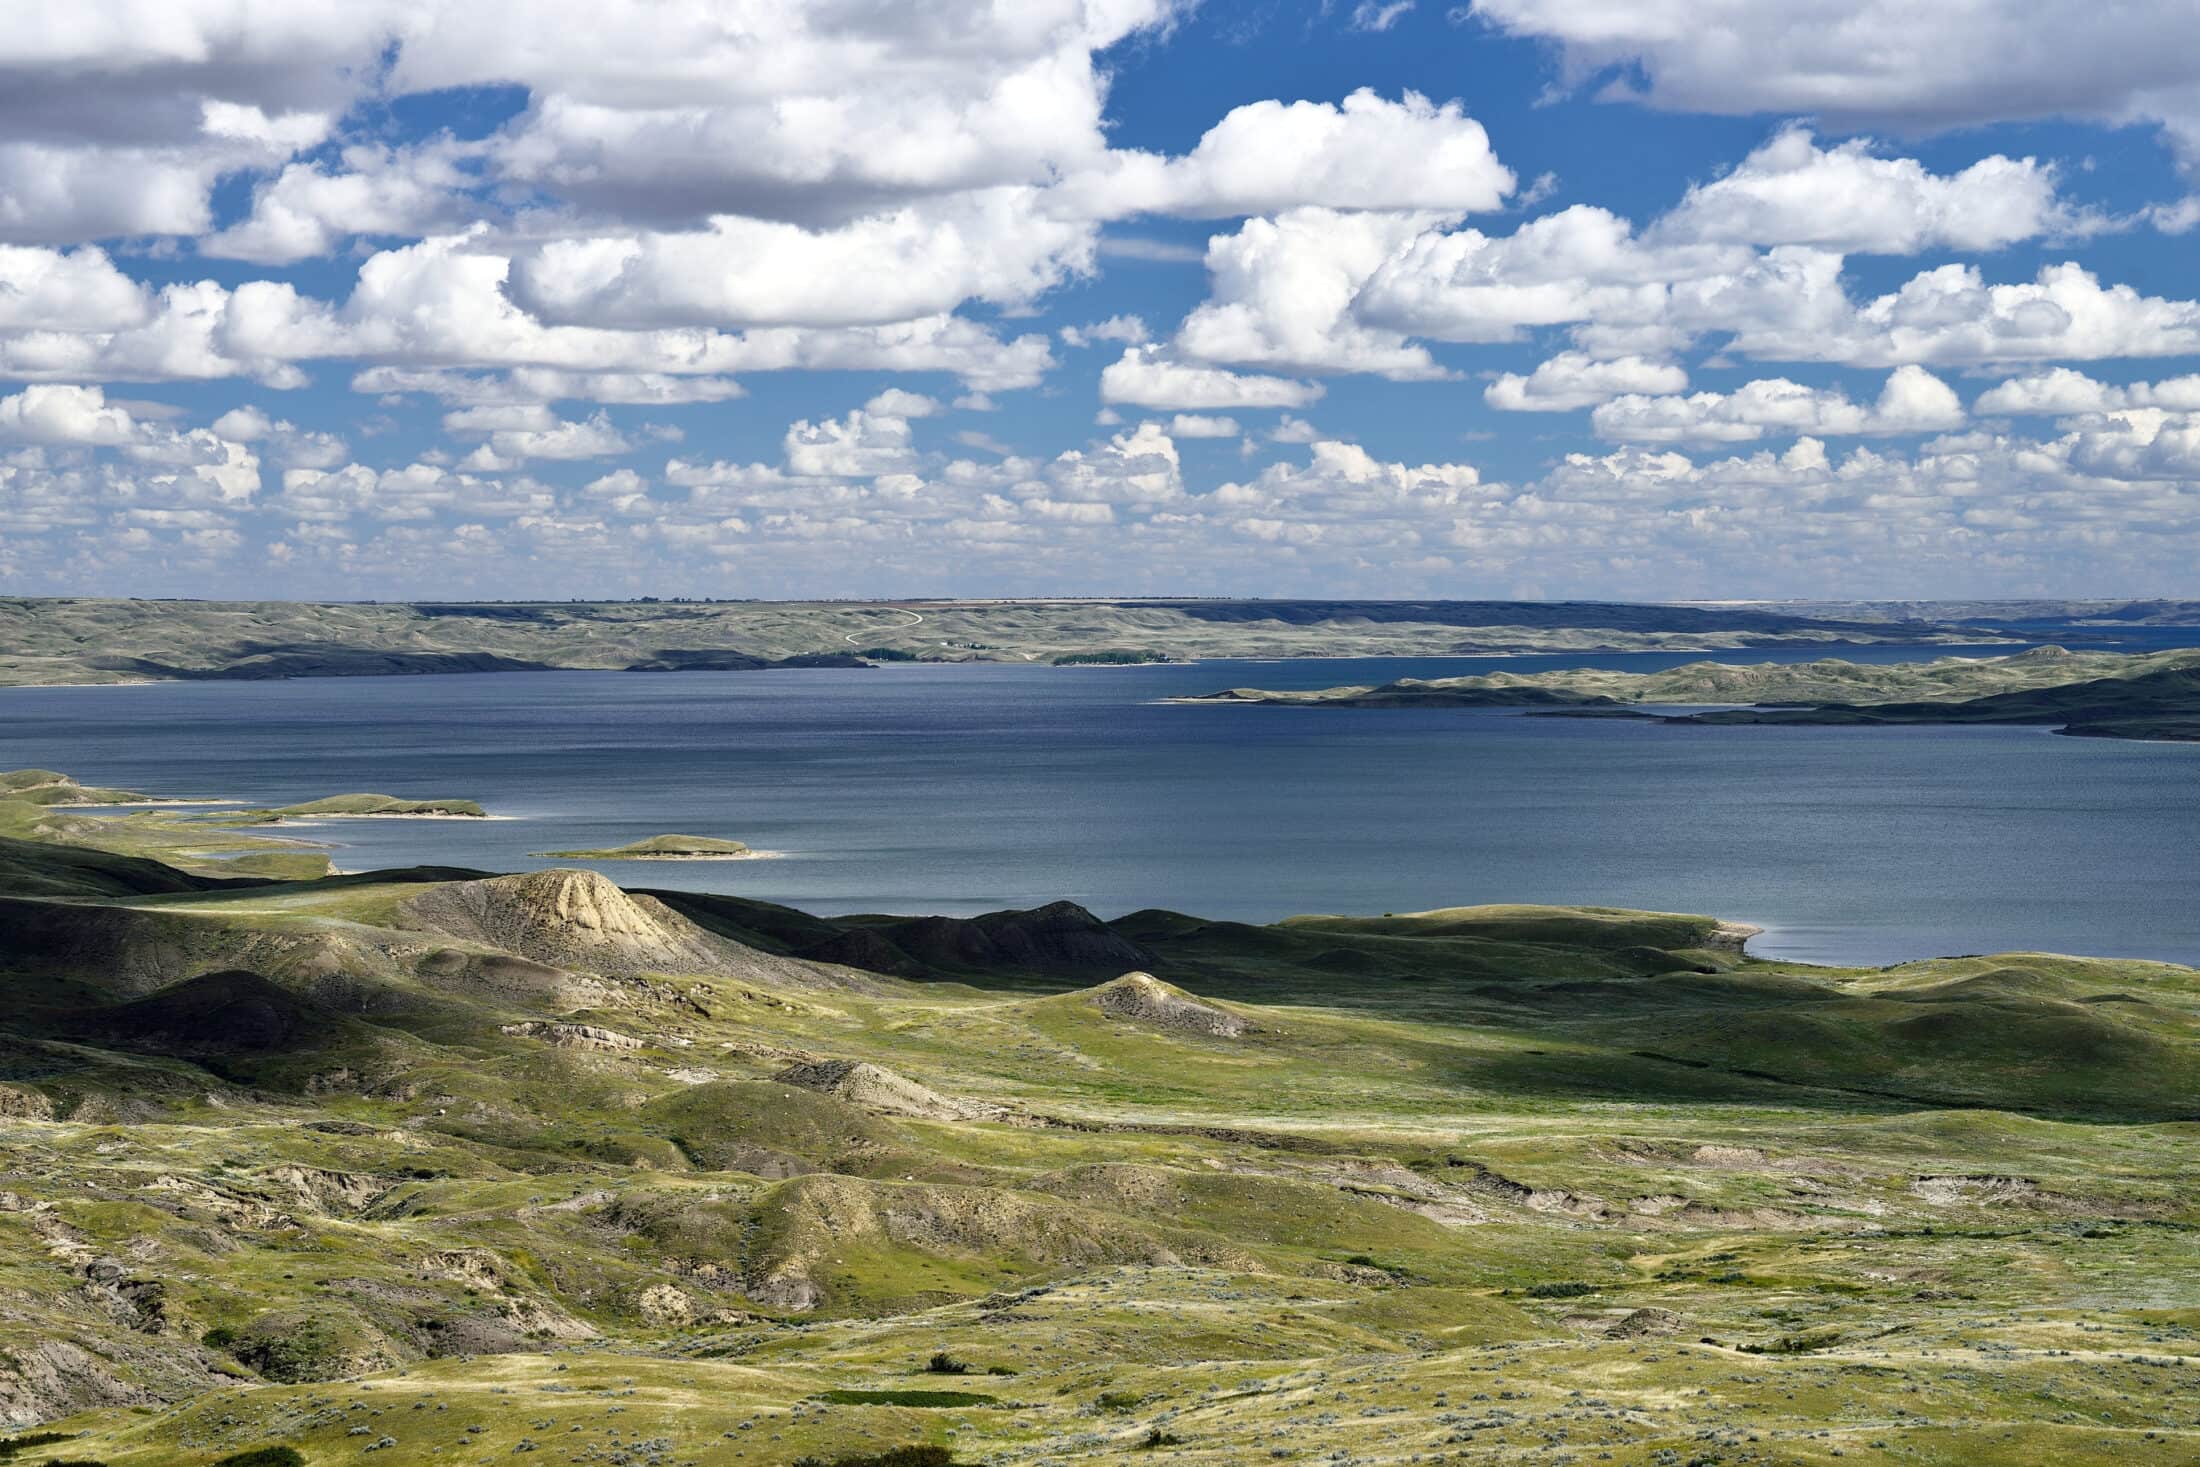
{"x": 661, "y": 848}
{"x": 380, "y": 805}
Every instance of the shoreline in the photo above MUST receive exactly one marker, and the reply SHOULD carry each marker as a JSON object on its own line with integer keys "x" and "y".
{"x": 607, "y": 856}
{"x": 375, "y": 815}
{"x": 1033, "y": 660}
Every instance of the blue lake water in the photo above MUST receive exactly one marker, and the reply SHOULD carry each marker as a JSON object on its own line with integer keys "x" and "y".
{"x": 959, "y": 789}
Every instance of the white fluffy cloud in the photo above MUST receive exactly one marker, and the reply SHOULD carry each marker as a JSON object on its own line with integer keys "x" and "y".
{"x": 1573, "y": 379}
{"x": 515, "y": 433}
{"x": 917, "y": 261}
{"x": 63, "y": 414}
{"x": 1127, "y": 329}
{"x": 1951, "y": 316}
{"x": 1579, "y": 264}
{"x": 1912, "y": 401}
{"x": 1881, "y": 61}
{"x": 860, "y": 445}
{"x": 1284, "y": 292}
{"x": 306, "y": 210}
{"x": 1266, "y": 157}
{"x": 2064, "y": 392}
{"x": 1145, "y": 377}
{"x": 1847, "y": 198}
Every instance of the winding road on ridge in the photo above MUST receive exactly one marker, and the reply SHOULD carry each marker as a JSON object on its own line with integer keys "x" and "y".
{"x": 914, "y": 620}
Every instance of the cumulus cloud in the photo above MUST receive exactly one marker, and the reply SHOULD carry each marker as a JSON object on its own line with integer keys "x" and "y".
{"x": 59, "y": 414}
{"x": 1146, "y": 377}
{"x": 417, "y": 491}
{"x": 1847, "y": 198}
{"x": 919, "y": 260}
{"x": 1880, "y": 62}
{"x": 43, "y": 290}
{"x": 1129, "y": 330}
{"x": 1950, "y": 316}
{"x": 1578, "y": 264}
{"x": 1201, "y": 425}
{"x": 1912, "y": 401}
{"x": 2065, "y": 392}
{"x": 1574, "y": 379}
{"x": 862, "y": 444}
{"x": 306, "y": 210}
{"x": 1266, "y": 157}
{"x": 1284, "y": 293}
{"x": 516, "y": 433}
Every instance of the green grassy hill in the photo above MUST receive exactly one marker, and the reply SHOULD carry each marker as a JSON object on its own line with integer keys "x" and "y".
{"x": 325, "y": 1164}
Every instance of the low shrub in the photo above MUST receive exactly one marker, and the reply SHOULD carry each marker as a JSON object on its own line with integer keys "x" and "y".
{"x": 925, "y": 1456}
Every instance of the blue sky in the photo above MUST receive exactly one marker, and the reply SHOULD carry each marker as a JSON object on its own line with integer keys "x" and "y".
{"x": 1655, "y": 299}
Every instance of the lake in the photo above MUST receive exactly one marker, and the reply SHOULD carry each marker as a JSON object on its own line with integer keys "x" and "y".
{"x": 959, "y": 789}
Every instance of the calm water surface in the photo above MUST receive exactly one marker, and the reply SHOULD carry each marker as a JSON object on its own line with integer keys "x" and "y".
{"x": 960, "y": 789}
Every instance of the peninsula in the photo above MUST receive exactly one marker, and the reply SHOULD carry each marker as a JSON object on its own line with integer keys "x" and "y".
{"x": 2100, "y": 694}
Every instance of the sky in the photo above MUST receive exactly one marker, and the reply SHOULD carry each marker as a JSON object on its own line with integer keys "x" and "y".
{"x": 1623, "y": 299}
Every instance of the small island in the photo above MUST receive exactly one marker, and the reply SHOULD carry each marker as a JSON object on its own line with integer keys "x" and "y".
{"x": 386, "y": 807}
{"x": 664, "y": 848}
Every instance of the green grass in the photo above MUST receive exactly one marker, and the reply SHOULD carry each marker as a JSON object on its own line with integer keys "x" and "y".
{"x": 1478, "y": 1184}
{"x": 369, "y": 804}
{"x": 928, "y": 1400}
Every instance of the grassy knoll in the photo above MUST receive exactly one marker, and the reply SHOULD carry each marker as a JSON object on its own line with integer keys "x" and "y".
{"x": 316, "y": 1165}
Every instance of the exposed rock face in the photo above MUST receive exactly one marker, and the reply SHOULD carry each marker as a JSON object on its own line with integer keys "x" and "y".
{"x": 42, "y": 1379}
{"x": 578, "y": 919}
{"x": 1643, "y": 1323}
{"x": 1731, "y": 937}
{"x": 874, "y": 1087}
{"x": 1979, "y": 1190}
{"x": 337, "y": 1194}
{"x": 1141, "y": 998}
{"x": 571, "y": 1036}
{"x": 20, "y": 1104}
{"x": 662, "y": 1304}
{"x": 476, "y": 1268}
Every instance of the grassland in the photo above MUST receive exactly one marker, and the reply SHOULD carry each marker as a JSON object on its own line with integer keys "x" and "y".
{"x": 418, "y": 1167}
{"x": 2102, "y": 694}
{"x": 93, "y": 641}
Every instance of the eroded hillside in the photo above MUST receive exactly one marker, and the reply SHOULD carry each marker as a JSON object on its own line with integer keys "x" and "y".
{"x": 443, "y": 1166}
